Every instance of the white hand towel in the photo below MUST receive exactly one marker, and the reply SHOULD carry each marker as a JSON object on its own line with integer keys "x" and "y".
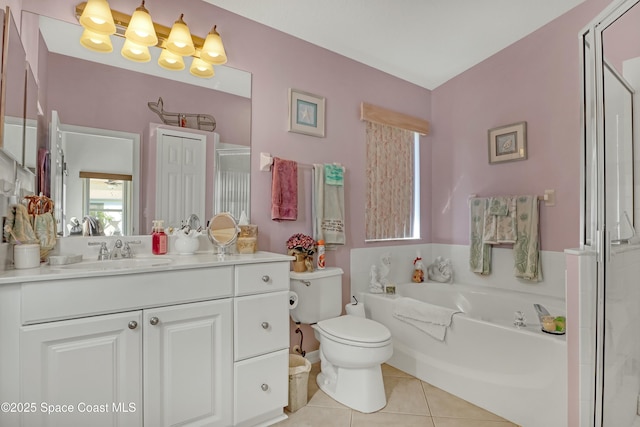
{"x": 431, "y": 319}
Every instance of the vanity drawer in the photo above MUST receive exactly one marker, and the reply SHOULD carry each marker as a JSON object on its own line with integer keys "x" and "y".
{"x": 261, "y": 386}
{"x": 262, "y": 277}
{"x": 72, "y": 298}
{"x": 261, "y": 324}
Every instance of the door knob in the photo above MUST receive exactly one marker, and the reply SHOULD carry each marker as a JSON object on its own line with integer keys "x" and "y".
{"x": 154, "y": 320}
{"x": 265, "y": 325}
{"x": 266, "y": 278}
{"x": 133, "y": 324}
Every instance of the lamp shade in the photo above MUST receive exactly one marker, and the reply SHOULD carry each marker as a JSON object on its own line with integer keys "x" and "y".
{"x": 140, "y": 29}
{"x": 213, "y": 50}
{"x": 180, "y": 41}
{"x": 96, "y": 42}
{"x": 170, "y": 61}
{"x": 199, "y": 68}
{"x": 97, "y": 17}
{"x": 135, "y": 52}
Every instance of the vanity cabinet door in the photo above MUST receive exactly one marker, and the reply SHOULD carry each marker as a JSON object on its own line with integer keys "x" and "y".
{"x": 86, "y": 372}
{"x": 187, "y": 364}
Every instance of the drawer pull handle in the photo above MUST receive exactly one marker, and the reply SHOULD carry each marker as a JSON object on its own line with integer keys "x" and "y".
{"x": 265, "y": 325}
{"x": 154, "y": 320}
{"x": 266, "y": 278}
{"x": 133, "y": 324}
{"x": 264, "y": 387}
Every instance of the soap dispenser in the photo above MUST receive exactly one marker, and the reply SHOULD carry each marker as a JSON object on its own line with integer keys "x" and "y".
{"x": 159, "y": 238}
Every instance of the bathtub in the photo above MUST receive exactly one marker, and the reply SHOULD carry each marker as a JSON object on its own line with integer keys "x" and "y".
{"x": 517, "y": 373}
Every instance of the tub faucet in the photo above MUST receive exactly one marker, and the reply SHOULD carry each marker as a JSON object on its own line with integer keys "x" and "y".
{"x": 541, "y": 311}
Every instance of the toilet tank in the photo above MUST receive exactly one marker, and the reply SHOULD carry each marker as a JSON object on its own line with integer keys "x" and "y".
{"x": 319, "y": 295}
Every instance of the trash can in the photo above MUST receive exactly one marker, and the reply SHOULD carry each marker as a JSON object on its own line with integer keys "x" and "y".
{"x": 299, "y": 368}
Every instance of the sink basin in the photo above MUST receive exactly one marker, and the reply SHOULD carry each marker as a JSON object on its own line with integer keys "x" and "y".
{"x": 117, "y": 264}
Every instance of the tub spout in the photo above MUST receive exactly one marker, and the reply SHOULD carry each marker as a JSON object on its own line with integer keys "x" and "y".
{"x": 541, "y": 311}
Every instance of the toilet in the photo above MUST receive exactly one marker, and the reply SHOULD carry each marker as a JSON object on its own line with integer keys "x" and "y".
{"x": 352, "y": 347}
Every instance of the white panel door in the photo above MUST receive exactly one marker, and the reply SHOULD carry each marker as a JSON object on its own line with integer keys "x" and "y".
{"x": 181, "y": 176}
{"x": 86, "y": 372}
{"x": 169, "y": 194}
{"x": 194, "y": 176}
{"x": 187, "y": 360}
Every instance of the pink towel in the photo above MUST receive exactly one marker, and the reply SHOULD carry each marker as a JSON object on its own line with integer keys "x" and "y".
{"x": 284, "y": 190}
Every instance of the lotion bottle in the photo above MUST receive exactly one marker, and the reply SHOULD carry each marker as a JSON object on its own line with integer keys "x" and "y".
{"x": 159, "y": 238}
{"x": 321, "y": 261}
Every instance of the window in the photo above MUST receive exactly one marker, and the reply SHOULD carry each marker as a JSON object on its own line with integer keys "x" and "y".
{"x": 393, "y": 183}
{"x": 108, "y": 199}
{"x": 393, "y": 174}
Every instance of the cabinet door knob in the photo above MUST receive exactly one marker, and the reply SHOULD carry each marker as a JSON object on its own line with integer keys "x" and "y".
{"x": 133, "y": 324}
{"x": 154, "y": 320}
{"x": 266, "y": 278}
{"x": 265, "y": 325}
{"x": 264, "y": 387}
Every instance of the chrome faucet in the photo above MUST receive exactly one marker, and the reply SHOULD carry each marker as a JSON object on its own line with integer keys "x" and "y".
{"x": 541, "y": 311}
{"x": 116, "y": 252}
{"x": 122, "y": 249}
{"x": 126, "y": 250}
{"x": 103, "y": 253}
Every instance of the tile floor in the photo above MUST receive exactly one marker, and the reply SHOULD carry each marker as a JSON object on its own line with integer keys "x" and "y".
{"x": 410, "y": 402}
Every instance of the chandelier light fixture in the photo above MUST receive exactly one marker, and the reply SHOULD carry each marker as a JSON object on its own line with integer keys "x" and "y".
{"x": 141, "y": 33}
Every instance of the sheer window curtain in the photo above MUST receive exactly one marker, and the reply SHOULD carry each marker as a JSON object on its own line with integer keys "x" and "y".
{"x": 390, "y": 172}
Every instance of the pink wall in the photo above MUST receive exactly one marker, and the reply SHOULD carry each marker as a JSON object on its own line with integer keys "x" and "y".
{"x": 279, "y": 62}
{"x": 536, "y": 80}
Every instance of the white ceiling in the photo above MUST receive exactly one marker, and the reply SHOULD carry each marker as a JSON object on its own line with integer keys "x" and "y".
{"x": 425, "y": 42}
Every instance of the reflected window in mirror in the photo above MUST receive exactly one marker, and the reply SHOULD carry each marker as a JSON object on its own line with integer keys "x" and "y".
{"x": 108, "y": 199}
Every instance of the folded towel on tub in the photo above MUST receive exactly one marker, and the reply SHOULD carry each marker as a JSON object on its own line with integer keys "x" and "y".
{"x": 431, "y": 319}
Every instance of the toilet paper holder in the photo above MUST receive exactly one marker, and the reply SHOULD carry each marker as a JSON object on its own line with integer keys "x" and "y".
{"x": 355, "y": 299}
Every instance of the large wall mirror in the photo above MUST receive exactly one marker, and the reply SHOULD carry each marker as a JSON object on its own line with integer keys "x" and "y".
{"x": 107, "y": 93}
{"x": 13, "y": 90}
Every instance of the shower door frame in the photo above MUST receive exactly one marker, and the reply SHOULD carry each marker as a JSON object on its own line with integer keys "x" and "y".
{"x": 595, "y": 234}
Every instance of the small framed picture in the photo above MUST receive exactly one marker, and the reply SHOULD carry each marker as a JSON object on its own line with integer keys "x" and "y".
{"x": 508, "y": 143}
{"x": 306, "y": 113}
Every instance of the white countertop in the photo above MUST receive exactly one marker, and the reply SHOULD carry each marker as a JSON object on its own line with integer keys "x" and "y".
{"x": 178, "y": 262}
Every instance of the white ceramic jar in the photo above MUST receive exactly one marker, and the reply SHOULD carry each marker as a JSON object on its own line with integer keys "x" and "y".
{"x": 26, "y": 256}
{"x": 186, "y": 245}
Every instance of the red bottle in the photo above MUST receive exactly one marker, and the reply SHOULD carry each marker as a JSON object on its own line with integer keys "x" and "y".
{"x": 158, "y": 238}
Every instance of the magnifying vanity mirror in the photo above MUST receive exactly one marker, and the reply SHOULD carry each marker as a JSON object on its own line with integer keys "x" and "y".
{"x": 223, "y": 231}
{"x": 115, "y": 99}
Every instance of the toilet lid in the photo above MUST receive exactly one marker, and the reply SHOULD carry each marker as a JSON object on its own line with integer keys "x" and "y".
{"x": 354, "y": 328}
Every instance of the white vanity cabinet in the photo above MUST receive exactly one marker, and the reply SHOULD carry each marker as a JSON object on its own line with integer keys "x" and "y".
{"x": 203, "y": 346}
{"x": 261, "y": 342}
{"x": 165, "y": 366}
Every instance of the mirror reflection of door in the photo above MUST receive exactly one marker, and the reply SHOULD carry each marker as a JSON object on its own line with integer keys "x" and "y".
{"x": 233, "y": 166}
{"x": 87, "y": 166}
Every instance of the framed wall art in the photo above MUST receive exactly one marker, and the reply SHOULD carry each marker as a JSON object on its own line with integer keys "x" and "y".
{"x": 306, "y": 113}
{"x": 508, "y": 143}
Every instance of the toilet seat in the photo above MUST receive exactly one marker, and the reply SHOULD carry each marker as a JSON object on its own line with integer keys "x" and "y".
{"x": 355, "y": 331}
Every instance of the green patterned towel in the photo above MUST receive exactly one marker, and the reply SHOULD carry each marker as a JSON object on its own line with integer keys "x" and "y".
{"x": 479, "y": 252}
{"x": 526, "y": 250}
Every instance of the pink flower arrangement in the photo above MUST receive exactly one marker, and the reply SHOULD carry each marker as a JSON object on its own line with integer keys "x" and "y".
{"x": 301, "y": 244}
